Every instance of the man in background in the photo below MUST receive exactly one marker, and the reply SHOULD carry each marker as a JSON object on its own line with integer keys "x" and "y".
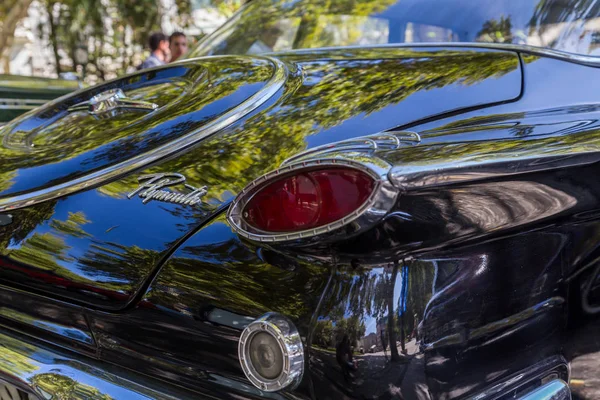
{"x": 178, "y": 45}
{"x": 159, "y": 48}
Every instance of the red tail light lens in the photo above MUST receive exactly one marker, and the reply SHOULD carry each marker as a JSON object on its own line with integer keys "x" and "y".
{"x": 308, "y": 200}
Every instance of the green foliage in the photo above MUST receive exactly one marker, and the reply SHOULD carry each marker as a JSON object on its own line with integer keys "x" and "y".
{"x": 323, "y": 334}
{"x": 226, "y": 7}
{"x": 420, "y": 288}
{"x": 72, "y": 226}
{"x": 17, "y": 362}
{"x": 496, "y": 31}
{"x": 227, "y": 275}
{"x": 314, "y": 23}
{"x": 352, "y": 326}
{"x": 101, "y": 39}
{"x": 64, "y": 388}
{"x": 11, "y": 12}
{"x": 369, "y": 293}
{"x": 44, "y": 250}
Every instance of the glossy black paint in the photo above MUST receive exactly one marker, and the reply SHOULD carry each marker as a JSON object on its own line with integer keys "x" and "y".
{"x": 99, "y": 248}
{"x": 57, "y": 323}
{"x": 54, "y": 145}
{"x": 493, "y": 273}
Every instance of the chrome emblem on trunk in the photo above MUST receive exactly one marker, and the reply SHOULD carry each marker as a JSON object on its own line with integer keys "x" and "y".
{"x": 153, "y": 183}
{"x": 111, "y": 100}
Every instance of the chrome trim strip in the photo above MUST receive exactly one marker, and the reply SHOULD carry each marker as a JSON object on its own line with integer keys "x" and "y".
{"x": 541, "y": 51}
{"x": 484, "y": 166}
{"x": 19, "y": 107}
{"x": 96, "y": 178}
{"x": 381, "y": 141}
{"x": 21, "y": 104}
{"x": 38, "y": 369}
{"x": 556, "y": 367}
{"x": 375, "y": 207}
{"x": 553, "y": 390}
{"x": 19, "y": 101}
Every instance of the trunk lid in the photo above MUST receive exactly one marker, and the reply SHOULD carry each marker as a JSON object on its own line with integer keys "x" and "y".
{"x": 72, "y": 230}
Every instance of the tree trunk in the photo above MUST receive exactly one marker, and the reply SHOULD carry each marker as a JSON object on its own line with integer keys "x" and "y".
{"x": 98, "y": 55}
{"x": 306, "y": 27}
{"x": 54, "y": 35}
{"x": 7, "y": 32}
{"x": 402, "y": 338}
{"x": 390, "y": 302}
{"x": 72, "y": 40}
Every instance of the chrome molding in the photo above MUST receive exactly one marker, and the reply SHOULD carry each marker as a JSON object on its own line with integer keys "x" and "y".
{"x": 374, "y": 209}
{"x": 383, "y": 141}
{"x": 39, "y": 369}
{"x": 96, "y": 178}
{"x": 290, "y": 343}
{"x": 4, "y": 100}
{"x": 21, "y": 104}
{"x": 550, "y": 369}
{"x": 14, "y": 107}
{"x": 553, "y": 390}
{"x": 427, "y": 173}
{"x": 522, "y": 48}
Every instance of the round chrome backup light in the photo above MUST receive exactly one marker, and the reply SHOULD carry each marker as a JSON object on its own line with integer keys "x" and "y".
{"x": 271, "y": 353}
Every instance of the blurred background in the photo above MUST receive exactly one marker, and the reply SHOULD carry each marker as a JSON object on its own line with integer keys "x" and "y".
{"x": 96, "y": 39}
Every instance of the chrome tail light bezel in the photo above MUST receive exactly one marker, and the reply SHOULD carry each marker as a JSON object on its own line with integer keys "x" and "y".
{"x": 378, "y": 204}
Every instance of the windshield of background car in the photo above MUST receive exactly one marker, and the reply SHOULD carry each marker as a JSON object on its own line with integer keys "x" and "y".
{"x": 269, "y": 26}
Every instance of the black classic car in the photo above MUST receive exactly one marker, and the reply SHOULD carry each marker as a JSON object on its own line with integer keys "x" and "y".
{"x": 19, "y": 94}
{"x": 371, "y": 200}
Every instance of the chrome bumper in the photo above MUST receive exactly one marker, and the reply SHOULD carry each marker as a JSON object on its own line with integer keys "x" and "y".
{"x": 47, "y": 374}
{"x": 554, "y": 390}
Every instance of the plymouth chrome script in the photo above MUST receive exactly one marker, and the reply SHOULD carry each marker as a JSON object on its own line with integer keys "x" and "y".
{"x": 152, "y": 189}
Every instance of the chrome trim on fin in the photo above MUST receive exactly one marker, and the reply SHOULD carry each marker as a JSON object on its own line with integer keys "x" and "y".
{"x": 593, "y": 61}
{"x": 427, "y": 173}
{"x": 382, "y": 141}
